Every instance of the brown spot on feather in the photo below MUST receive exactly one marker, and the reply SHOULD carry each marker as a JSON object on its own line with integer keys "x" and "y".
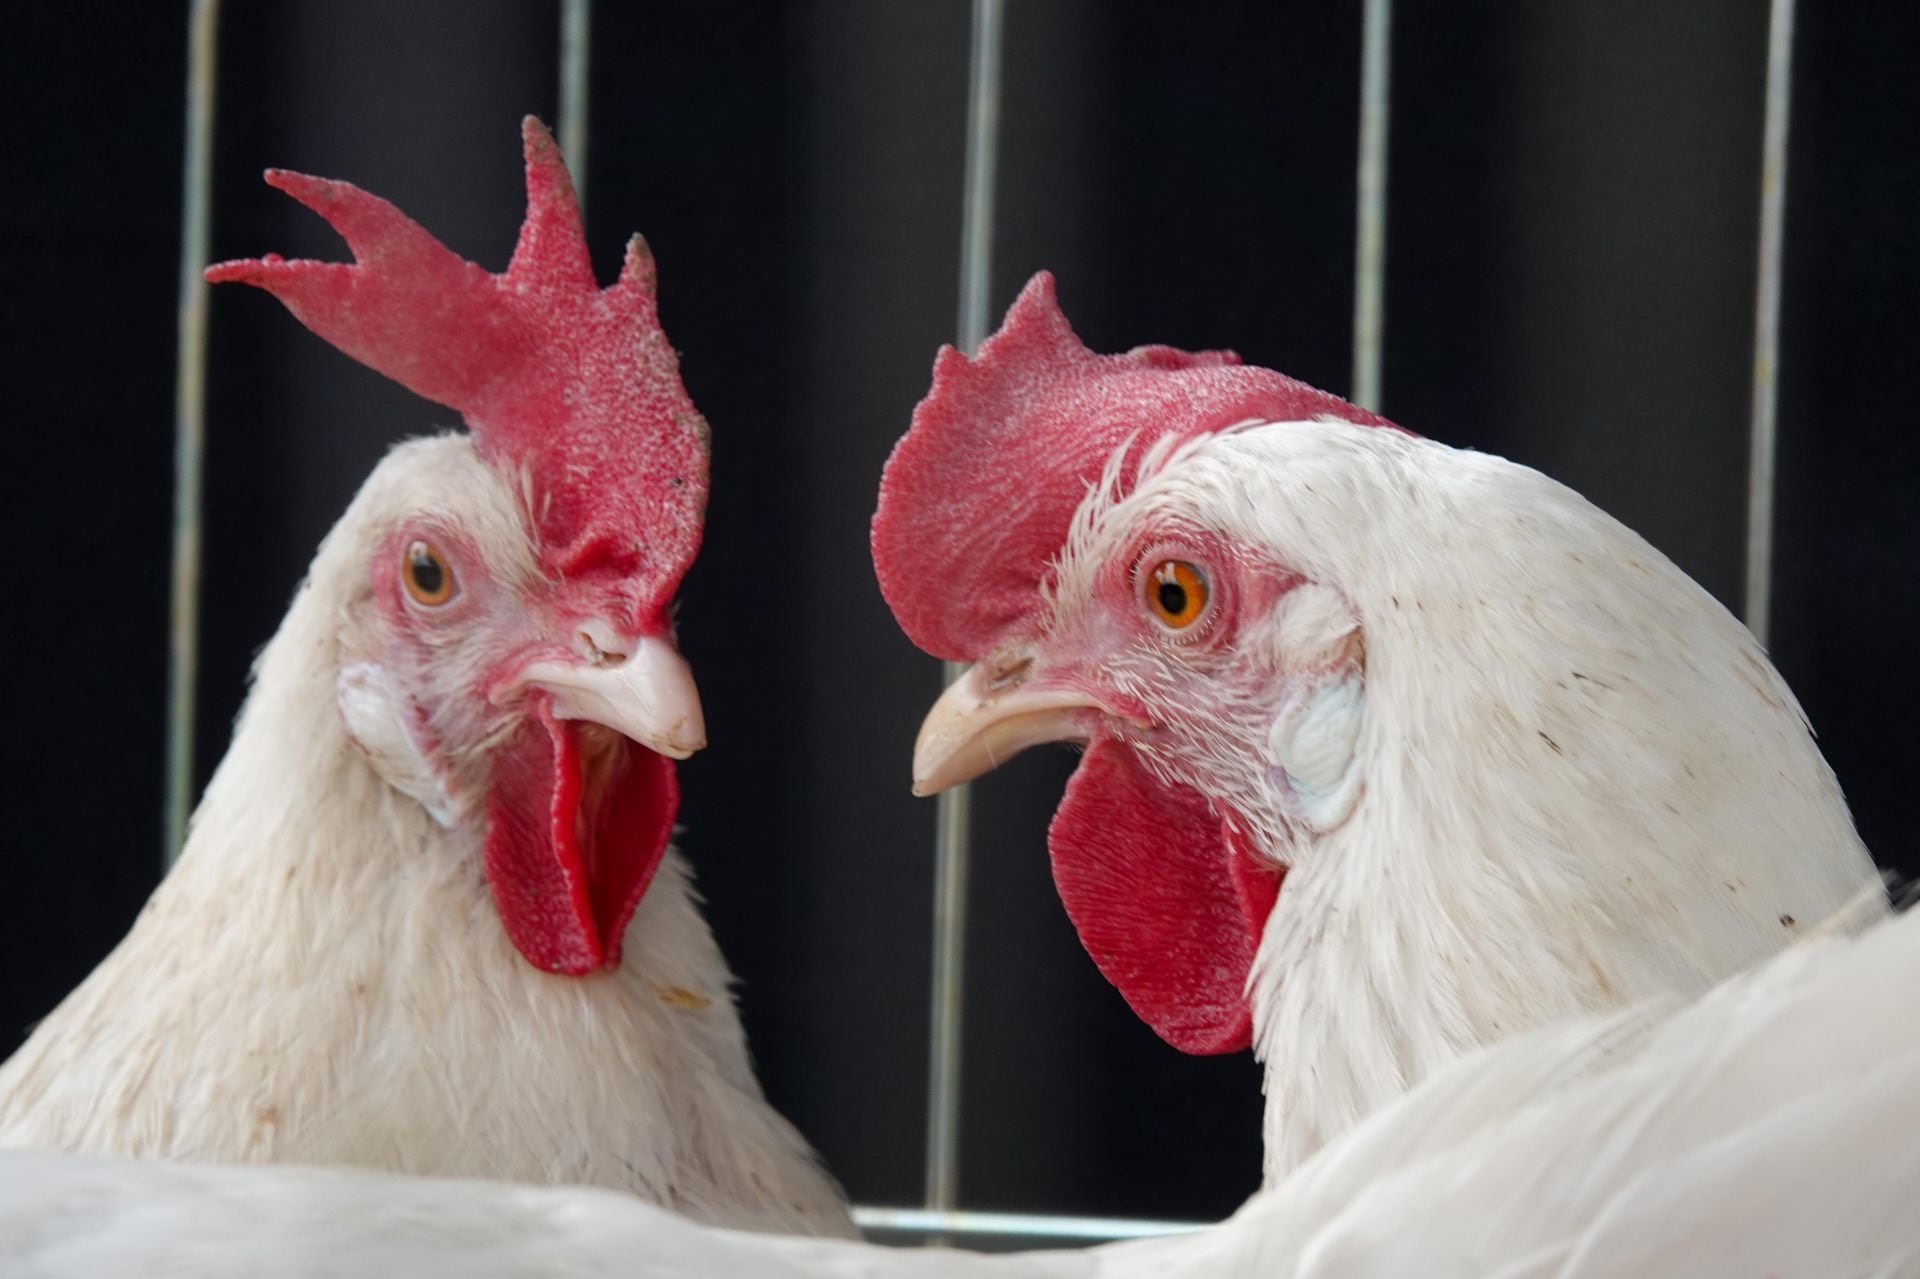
{"x": 1756, "y": 676}
{"x": 681, "y": 997}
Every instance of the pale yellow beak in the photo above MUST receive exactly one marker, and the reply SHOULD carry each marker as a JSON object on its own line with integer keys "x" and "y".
{"x": 641, "y": 688}
{"x": 978, "y": 725}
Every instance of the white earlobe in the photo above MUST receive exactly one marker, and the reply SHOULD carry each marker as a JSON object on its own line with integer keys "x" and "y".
{"x": 383, "y": 722}
{"x": 1315, "y": 743}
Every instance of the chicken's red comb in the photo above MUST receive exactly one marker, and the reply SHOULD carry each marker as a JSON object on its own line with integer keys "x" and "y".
{"x": 977, "y": 498}
{"x": 571, "y": 384}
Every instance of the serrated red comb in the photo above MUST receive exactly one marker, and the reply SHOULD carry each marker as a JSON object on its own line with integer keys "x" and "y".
{"x": 572, "y": 385}
{"x": 976, "y": 500}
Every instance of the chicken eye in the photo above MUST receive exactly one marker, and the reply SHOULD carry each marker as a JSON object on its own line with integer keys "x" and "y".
{"x": 429, "y": 580}
{"x": 1176, "y": 593}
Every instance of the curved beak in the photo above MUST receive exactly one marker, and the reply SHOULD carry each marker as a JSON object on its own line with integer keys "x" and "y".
{"x": 979, "y": 724}
{"x": 646, "y": 695}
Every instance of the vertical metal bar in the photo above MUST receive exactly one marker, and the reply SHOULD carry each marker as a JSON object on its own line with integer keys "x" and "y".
{"x": 190, "y": 418}
{"x": 576, "y": 22}
{"x": 1762, "y": 439}
{"x": 1370, "y": 239}
{"x": 983, "y": 148}
{"x": 951, "y": 836}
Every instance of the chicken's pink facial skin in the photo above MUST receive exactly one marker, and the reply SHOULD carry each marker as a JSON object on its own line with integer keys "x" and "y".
{"x": 1144, "y": 680}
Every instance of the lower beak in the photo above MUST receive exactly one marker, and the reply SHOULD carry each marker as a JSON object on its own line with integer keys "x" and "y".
{"x": 648, "y": 696}
{"x": 975, "y": 728}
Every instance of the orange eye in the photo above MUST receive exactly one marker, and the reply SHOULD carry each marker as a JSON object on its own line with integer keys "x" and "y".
{"x": 429, "y": 580}
{"x": 1176, "y": 593}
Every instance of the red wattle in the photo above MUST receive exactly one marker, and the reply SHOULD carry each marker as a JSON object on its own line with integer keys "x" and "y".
{"x": 1167, "y": 904}
{"x": 567, "y": 874}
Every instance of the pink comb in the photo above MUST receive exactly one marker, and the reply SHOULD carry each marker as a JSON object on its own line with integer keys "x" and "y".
{"x": 975, "y": 501}
{"x": 571, "y": 384}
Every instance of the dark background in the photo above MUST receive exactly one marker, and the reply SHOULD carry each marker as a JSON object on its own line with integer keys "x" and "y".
{"x": 1571, "y": 274}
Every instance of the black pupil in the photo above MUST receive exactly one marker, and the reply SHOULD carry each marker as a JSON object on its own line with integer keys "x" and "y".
{"x": 426, "y": 570}
{"x": 1173, "y": 598}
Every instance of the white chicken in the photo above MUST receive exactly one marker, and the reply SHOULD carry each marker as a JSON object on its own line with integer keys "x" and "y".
{"x": 427, "y": 919}
{"x": 1764, "y": 1130}
{"x": 1512, "y": 763}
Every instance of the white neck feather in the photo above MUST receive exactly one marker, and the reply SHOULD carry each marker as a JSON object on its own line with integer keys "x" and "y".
{"x": 1583, "y": 782}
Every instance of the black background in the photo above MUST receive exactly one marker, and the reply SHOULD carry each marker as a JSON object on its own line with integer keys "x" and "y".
{"x": 1573, "y": 228}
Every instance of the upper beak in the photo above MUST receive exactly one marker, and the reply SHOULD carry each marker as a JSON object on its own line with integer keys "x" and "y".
{"x": 977, "y": 725}
{"x": 647, "y": 694}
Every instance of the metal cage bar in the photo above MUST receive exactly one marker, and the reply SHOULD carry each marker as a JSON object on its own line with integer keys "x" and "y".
{"x": 1762, "y": 436}
{"x": 190, "y": 420}
{"x": 952, "y": 836}
{"x": 576, "y": 31}
{"x": 1370, "y": 231}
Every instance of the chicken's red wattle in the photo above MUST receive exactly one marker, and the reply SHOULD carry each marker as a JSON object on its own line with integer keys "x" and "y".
{"x": 1166, "y": 901}
{"x": 568, "y": 862}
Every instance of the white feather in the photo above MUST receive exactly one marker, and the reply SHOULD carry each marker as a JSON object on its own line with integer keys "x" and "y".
{"x": 1315, "y": 737}
{"x": 1765, "y": 1130}
{"x": 374, "y": 713}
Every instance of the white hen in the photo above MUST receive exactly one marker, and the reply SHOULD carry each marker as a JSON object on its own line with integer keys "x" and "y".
{"x": 427, "y": 919}
{"x": 1513, "y": 764}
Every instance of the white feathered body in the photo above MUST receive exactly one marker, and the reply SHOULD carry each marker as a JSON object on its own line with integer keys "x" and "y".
{"x": 1764, "y": 1131}
{"x": 1569, "y": 781}
{"x": 323, "y": 978}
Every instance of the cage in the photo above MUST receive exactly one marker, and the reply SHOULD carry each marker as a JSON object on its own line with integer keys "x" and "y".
{"x": 1607, "y": 242}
